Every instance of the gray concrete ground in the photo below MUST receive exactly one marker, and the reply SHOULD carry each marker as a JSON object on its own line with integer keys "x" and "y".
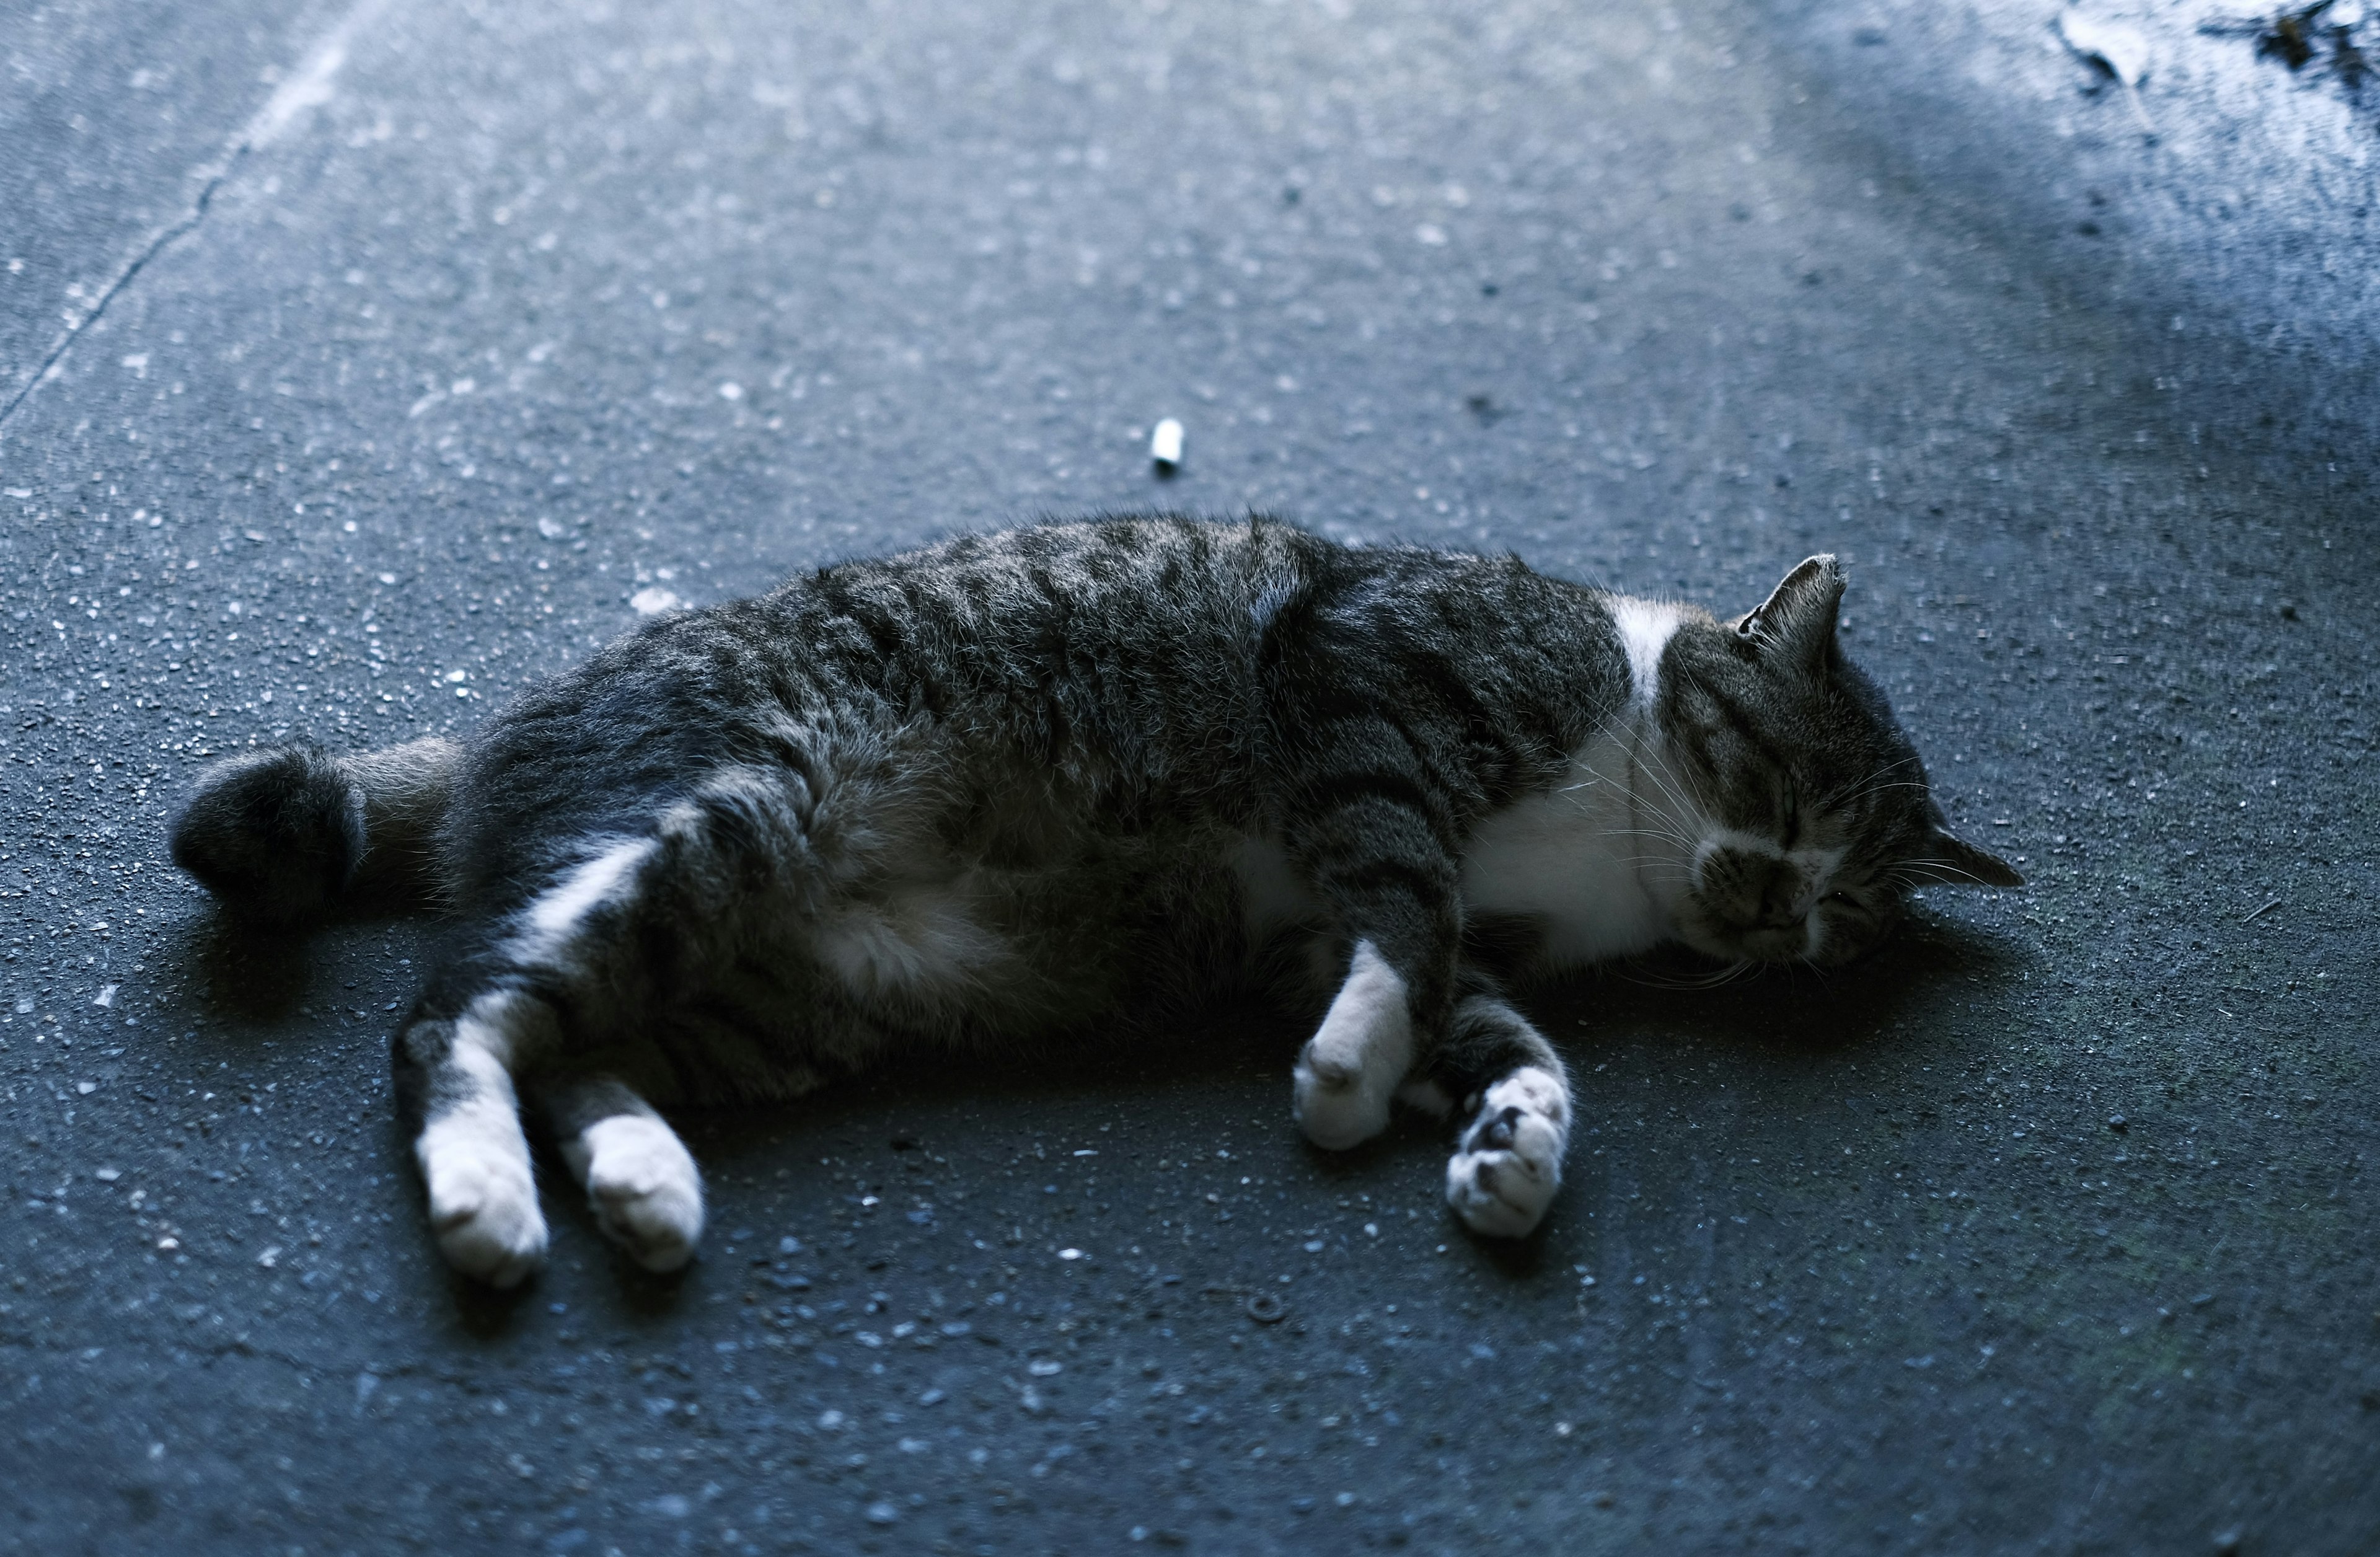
{"x": 394, "y": 352}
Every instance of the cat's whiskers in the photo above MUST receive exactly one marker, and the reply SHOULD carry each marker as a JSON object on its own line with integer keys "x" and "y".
{"x": 1650, "y": 864}
{"x": 1673, "y": 804}
{"x": 1859, "y": 795}
{"x": 1713, "y": 979}
{"x": 1679, "y": 788}
{"x": 1934, "y": 872}
{"x": 1699, "y": 803}
{"x": 1664, "y": 832}
{"x": 1654, "y": 836}
{"x": 1663, "y": 861}
{"x": 1670, "y": 834}
{"x": 1878, "y": 782}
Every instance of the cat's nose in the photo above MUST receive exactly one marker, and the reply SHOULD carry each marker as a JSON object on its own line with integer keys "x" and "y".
{"x": 1780, "y": 898}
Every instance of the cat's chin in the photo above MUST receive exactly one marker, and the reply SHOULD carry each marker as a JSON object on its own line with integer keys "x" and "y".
{"x": 1749, "y": 954}
{"x": 1760, "y": 948}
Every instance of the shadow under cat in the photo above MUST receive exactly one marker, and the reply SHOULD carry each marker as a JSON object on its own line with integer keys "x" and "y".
{"x": 1764, "y": 1025}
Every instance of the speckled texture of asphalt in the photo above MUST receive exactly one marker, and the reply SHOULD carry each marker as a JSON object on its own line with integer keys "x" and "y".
{"x": 398, "y": 350}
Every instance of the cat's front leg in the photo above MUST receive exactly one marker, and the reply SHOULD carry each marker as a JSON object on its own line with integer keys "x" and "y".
{"x": 1372, "y": 850}
{"x": 1350, "y": 1070}
{"x": 1508, "y": 1163}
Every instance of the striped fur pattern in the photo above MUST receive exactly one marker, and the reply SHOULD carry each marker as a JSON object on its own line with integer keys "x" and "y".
{"x": 1031, "y": 783}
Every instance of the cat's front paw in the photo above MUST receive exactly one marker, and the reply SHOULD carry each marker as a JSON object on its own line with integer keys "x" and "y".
{"x": 483, "y": 1209}
{"x": 645, "y": 1190}
{"x": 1504, "y": 1176}
{"x": 1348, "y": 1072}
{"x": 1338, "y": 1104}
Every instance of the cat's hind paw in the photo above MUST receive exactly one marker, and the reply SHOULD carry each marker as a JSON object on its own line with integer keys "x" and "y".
{"x": 644, "y": 1190}
{"x": 483, "y": 1209}
{"x": 1509, "y": 1165}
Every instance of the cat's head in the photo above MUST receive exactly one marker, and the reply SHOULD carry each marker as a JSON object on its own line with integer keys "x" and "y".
{"x": 1804, "y": 806}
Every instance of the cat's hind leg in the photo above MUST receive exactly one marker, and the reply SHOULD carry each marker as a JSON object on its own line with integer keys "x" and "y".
{"x": 494, "y": 1011}
{"x": 1511, "y": 1086}
{"x": 455, "y": 1089}
{"x": 641, "y": 1183}
{"x": 579, "y": 967}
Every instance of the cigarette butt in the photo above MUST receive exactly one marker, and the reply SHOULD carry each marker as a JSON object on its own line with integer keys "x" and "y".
{"x": 1165, "y": 444}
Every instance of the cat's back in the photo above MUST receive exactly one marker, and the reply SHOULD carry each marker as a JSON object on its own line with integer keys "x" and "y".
{"x": 1135, "y": 611}
{"x": 1149, "y": 657}
{"x": 1145, "y": 598}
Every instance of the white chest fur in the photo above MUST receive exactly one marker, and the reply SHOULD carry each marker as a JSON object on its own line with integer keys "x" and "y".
{"x": 1575, "y": 860}
{"x": 1594, "y": 864}
{"x": 1588, "y": 860}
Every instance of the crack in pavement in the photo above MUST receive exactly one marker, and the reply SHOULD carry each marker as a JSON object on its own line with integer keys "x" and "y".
{"x": 308, "y": 86}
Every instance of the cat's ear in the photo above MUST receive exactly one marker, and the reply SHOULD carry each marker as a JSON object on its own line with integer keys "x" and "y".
{"x": 1798, "y": 617}
{"x": 1950, "y": 860}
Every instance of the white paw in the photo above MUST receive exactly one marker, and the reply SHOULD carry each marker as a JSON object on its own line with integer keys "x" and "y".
{"x": 1334, "y": 1105}
{"x": 1509, "y": 1164}
{"x": 644, "y": 1190}
{"x": 483, "y": 1207}
{"x": 1348, "y": 1072}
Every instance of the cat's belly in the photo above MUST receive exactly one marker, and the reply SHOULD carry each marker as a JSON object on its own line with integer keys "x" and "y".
{"x": 1272, "y": 898}
{"x": 1571, "y": 860}
{"x": 1024, "y": 946}
{"x": 925, "y": 941}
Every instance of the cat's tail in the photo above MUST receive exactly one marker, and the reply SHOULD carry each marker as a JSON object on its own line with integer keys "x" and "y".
{"x": 283, "y": 833}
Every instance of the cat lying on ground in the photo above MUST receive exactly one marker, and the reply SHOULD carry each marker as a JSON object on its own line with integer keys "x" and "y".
{"x": 1027, "y": 783}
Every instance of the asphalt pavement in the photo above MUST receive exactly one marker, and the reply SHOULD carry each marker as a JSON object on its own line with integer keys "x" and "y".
{"x": 359, "y": 364}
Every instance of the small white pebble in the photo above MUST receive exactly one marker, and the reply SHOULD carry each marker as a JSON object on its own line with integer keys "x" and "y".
{"x": 1165, "y": 444}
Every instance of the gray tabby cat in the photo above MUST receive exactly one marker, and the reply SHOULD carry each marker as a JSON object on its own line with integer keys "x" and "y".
{"x": 1027, "y": 783}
